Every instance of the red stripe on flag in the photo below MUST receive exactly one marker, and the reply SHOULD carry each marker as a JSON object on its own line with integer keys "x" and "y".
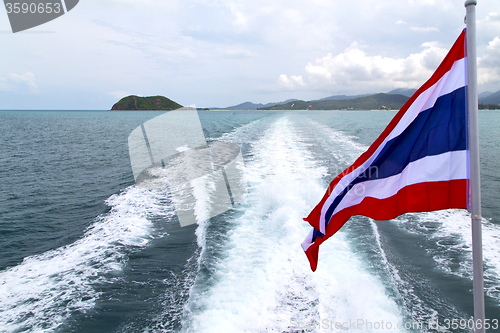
{"x": 421, "y": 197}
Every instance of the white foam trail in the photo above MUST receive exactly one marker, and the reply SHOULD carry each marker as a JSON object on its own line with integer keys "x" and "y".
{"x": 414, "y": 307}
{"x": 242, "y": 134}
{"x": 451, "y": 229}
{"x": 44, "y": 290}
{"x": 263, "y": 282}
{"x": 340, "y": 145}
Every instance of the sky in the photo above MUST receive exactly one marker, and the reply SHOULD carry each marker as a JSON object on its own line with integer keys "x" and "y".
{"x": 219, "y": 53}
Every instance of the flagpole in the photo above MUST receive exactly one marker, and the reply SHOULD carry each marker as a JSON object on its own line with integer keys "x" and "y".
{"x": 475, "y": 179}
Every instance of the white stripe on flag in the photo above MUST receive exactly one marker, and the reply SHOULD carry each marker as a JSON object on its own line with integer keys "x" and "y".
{"x": 308, "y": 241}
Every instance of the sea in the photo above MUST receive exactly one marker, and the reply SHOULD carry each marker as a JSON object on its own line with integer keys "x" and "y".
{"x": 84, "y": 249}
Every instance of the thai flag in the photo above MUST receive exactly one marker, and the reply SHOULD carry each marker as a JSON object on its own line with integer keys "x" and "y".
{"x": 418, "y": 164}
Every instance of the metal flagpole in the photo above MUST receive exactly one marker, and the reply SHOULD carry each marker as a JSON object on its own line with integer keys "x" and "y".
{"x": 475, "y": 179}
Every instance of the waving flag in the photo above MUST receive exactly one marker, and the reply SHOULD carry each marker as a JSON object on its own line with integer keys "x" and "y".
{"x": 418, "y": 164}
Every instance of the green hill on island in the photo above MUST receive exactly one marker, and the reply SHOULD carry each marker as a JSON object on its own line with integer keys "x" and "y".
{"x": 145, "y": 103}
{"x": 372, "y": 102}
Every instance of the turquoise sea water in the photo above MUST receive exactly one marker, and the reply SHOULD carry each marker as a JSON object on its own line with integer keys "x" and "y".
{"x": 82, "y": 249}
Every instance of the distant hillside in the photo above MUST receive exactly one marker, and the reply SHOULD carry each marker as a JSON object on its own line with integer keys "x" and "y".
{"x": 146, "y": 103}
{"x": 403, "y": 91}
{"x": 372, "y": 102}
{"x": 492, "y": 98}
{"x": 269, "y": 106}
{"x": 245, "y": 106}
{"x": 399, "y": 91}
{"x": 484, "y": 94}
{"x": 253, "y": 106}
{"x": 341, "y": 97}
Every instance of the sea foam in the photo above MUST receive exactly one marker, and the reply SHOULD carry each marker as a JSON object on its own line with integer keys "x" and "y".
{"x": 44, "y": 290}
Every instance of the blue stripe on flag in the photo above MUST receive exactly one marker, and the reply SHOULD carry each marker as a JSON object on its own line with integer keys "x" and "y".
{"x": 316, "y": 234}
{"x": 435, "y": 131}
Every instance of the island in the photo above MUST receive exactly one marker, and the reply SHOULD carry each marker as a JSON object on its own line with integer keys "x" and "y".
{"x": 133, "y": 102}
{"x": 371, "y": 102}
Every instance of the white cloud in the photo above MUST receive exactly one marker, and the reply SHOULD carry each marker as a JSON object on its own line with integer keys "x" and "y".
{"x": 151, "y": 6}
{"x": 424, "y": 29}
{"x": 422, "y": 2}
{"x": 355, "y": 71}
{"x": 240, "y": 20}
{"x": 290, "y": 82}
{"x": 491, "y": 18}
{"x": 19, "y": 82}
{"x": 489, "y": 63}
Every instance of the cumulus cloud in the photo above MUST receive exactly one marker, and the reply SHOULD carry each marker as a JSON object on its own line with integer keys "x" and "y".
{"x": 489, "y": 63}
{"x": 290, "y": 82}
{"x": 19, "y": 82}
{"x": 356, "y": 71}
{"x": 424, "y": 29}
{"x": 422, "y": 2}
{"x": 491, "y": 18}
{"x": 240, "y": 20}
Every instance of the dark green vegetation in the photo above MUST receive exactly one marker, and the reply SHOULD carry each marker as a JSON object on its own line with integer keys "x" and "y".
{"x": 146, "y": 103}
{"x": 489, "y": 106}
{"x": 372, "y": 102}
{"x": 253, "y": 106}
